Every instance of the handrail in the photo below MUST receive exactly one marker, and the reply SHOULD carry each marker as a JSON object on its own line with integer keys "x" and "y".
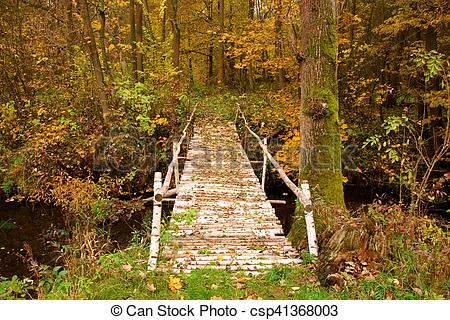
{"x": 161, "y": 192}
{"x": 302, "y": 194}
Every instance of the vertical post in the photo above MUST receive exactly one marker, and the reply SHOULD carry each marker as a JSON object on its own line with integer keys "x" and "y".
{"x": 309, "y": 219}
{"x": 177, "y": 171}
{"x": 156, "y": 224}
{"x": 263, "y": 182}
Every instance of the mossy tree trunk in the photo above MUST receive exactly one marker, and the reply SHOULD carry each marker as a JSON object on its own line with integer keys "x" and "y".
{"x": 320, "y": 140}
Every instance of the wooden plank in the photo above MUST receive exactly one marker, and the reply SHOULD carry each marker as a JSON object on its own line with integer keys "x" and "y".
{"x": 232, "y": 216}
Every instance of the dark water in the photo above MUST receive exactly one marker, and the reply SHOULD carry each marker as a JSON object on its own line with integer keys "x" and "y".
{"x": 42, "y": 229}
{"x": 27, "y": 233}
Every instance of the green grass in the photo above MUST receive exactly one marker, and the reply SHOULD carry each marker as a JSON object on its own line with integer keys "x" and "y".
{"x": 123, "y": 275}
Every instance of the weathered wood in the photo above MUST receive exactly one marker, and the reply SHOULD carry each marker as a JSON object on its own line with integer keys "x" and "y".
{"x": 276, "y": 165}
{"x": 177, "y": 172}
{"x": 302, "y": 195}
{"x": 156, "y": 226}
{"x": 263, "y": 179}
{"x": 161, "y": 192}
{"x": 222, "y": 213}
{"x": 277, "y": 201}
{"x": 169, "y": 193}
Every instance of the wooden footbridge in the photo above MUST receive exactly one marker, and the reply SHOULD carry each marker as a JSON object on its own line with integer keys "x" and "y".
{"x": 221, "y": 218}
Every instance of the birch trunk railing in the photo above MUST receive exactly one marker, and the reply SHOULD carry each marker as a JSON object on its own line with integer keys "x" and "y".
{"x": 161, "y": 190}
{"x": 303, "y": 194}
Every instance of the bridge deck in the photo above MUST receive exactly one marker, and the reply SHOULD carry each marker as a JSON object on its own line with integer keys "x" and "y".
{"x": 221, "y": 217}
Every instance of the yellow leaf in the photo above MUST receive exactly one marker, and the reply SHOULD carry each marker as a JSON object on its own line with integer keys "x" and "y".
{"x": 344, "y": 179}
{"x": 175, "y": 284}
{"x": 96, "y": 25}
{"x": 215, "y": 298}
{"x": 219, "y": 258}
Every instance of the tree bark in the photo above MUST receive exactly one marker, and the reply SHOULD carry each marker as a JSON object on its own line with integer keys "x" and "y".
{"x": 133, "y": 40}
{"x": 95, "y": 60}
{"x": 102, "y": 15}
{"x": 278, "y": 42}
{"x": 70, "y": 30}
{"x": 320, "y": 140}
{"x": 163, "y": 24}
{"x": 210, "y": 56}
{"x": 221, "y": 49}
{"x": 173, "y": 8}
{"x": 148, "y": 20}
{"x": 139, "y": 38}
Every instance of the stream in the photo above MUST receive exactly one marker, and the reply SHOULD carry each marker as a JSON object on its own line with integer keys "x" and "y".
{"x": 38, "y": 228}
{"x": 42, "y": 229}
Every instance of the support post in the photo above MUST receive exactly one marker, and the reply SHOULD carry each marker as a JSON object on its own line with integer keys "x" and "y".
{"x": 176, "y": 168}
{"x": 309, "y": 220}
{"x": 263, "y": 179}
{"x": 156, "y": 224}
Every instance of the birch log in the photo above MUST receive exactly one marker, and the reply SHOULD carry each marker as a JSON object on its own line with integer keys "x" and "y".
{"x": 309, "y": 220}
{"x": 156, "y": 225}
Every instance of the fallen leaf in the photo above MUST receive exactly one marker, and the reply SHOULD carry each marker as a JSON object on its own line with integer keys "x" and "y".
{"x": 395, "y": 282}
{"x": 219, "y": 258}
{"x": 241, "y": 279}
{"x": 388, "y": 295}
{"x": 240, "y": 286}
{"x": 127, "y": 267}
{"x": 175, "y": 284}
{"x": 142, "y": 274}
{"x": 295, "y": 288}
{"x": 151, "y": 287}
{"x": 214, "y": 286}
{"x": 418, "y": 291}
{"x": 216, "y": 298}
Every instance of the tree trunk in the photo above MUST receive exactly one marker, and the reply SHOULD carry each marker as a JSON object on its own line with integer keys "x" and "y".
{"x": 95, "y": 60}
{"x": 148, "y": 20}
{"x": 70, "y": 30}
{"x": 320, "y": 140}
{"x": 163, "y": 24}
{"x": 221, "y": 51}
{"x": 133, "y": 40}
{"x": 139, "y": 38}
{"x": 352, "y": 31}
{"x": 210, "y": 57}
{"x": 173, "y": 8}
{"x": 278, "y": 42}
{"x": 251, "y": 9}
{"x": 102, "y": 15}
